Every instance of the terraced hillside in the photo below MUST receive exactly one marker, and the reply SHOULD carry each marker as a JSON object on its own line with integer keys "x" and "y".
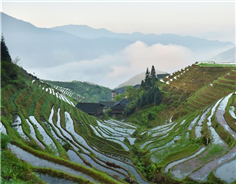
{"x": 45, "y": 138}
{"x": 199, "y": 147}
{"x": 192, "y": 78}
{"x": 58, "y": 140}
{"x": 68, "y": 92}
{"x": 213, "y": 91}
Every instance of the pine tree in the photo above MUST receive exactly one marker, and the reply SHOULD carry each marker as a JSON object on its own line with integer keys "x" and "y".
{"x": 142, "y": 84}
{"x": 153, "y": 75}
{"x": 147, "y": 79}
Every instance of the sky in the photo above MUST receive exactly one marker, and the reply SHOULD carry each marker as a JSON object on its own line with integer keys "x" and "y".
{"x": 209, "y": 20}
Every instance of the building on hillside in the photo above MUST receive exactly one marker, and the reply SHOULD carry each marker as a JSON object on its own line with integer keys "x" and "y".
{"x": 107, "y": 104}
{"x": 120, "y": 90}
{"x": 162, "y": 76}
{"x": 95, "y": 109}
{"x": 119, "y": 107}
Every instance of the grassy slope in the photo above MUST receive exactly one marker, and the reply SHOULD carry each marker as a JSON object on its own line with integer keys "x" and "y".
{"x": 24, "y": 98}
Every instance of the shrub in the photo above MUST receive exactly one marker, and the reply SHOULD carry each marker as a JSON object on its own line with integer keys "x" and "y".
{"x": 5, "y": 139}
{"x": 66, "y": 146}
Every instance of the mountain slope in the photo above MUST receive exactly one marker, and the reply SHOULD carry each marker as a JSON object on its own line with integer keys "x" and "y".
{"x": 225, "y": 57}
{"x": 55, "y": 47}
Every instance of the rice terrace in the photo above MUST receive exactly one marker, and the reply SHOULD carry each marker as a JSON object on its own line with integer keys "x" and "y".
{"x": 172, "y": 127}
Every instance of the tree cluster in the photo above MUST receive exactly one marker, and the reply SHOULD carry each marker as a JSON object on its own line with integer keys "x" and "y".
{"x": 150, "y": 79}
{"x": 148, "y": 93}
{"x": 151, "y": 93}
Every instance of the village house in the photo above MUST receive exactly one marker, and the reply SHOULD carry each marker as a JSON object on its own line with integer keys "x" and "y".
{"x": 119, "y": 107}
{"x": 107, "y": 104}
{"x": 94, "y": 109}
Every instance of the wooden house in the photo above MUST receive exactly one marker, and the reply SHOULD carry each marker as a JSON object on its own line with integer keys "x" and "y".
{"x": 107, "y": 104}
{"x": 119, "y": 107}
{"x": 95, "y": 109}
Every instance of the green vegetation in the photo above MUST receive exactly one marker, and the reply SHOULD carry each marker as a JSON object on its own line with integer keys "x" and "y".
{"x": 119, "y": 97}
{"x": 148, "y": 117}
{"x": 13, "y": 170}
{"x": 214, "y": 150}
{"x": 147, "y": 94}
{"x": 177, "y": 155}
{"x": 5, "y": 139}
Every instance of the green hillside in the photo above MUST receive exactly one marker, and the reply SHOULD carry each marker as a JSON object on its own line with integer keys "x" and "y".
{"x": 190, "y": 136}
{"x": 88, "y": 91}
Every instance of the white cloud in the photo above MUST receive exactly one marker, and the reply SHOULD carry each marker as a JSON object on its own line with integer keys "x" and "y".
{"x": 111, "y": 70}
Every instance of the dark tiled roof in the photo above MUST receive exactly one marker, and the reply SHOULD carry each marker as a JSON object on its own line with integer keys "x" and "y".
{"x": 120, "y": 104}
{"x": 89, "y": 108}
{"x": 107, "y": 103}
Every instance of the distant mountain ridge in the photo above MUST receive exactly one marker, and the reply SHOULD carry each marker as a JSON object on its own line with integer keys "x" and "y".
{"x": 44, "y": 48}
{"x": 190, "y": 42}
{"x": 84, "y": 31}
